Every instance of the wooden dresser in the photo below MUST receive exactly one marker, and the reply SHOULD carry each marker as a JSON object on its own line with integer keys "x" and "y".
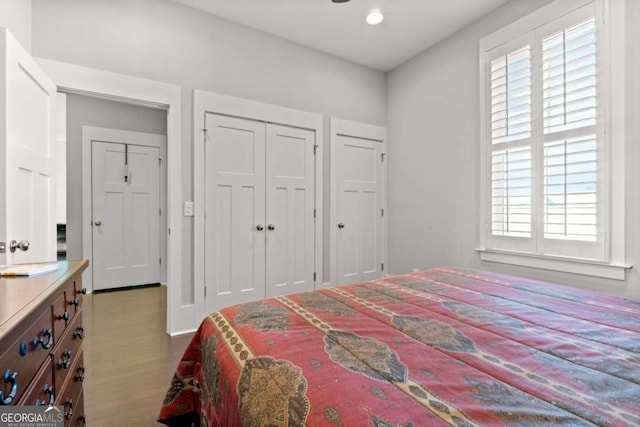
{"x": 41, "y": 337}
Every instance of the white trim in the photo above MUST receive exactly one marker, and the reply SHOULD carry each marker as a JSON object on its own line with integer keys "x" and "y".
{"x": 587, "y": 268}
{"x": 615, "y": 126}
{"x": 89, "y": 81}
{"x": 208, "y": 102}
{"x": 358, "y": 130}
{"x": 90, "y": 134}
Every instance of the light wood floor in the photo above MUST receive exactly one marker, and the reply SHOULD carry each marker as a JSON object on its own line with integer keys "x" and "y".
{"x": 128, "y": 356}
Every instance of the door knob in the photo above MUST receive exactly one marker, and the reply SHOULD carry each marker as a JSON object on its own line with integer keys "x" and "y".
{"x": 271, "y": 227}
{"x": 259, "y": 227}
{"x": 97, "y": 222}
{"x": 23, "y": 245}
{"x": 341, "y": 225}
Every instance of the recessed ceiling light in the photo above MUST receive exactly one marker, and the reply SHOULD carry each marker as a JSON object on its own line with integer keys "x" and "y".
{"x": 339, "y": 1}
{"x": 375, "y": 17}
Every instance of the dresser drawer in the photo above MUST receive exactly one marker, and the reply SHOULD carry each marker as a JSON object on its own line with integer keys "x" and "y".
{"x": 26, "y": 355}
{"x": 41, "y": 390}
{"x": 79, "y": 418}
{"x": 67, "y": 352}
{"x": 70, "y": 397}
{"x": 77, "y": 372}
{"x": 66, "y": 306}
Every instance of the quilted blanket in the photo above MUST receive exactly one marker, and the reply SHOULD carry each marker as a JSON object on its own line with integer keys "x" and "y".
{"x": 447, "y": 346}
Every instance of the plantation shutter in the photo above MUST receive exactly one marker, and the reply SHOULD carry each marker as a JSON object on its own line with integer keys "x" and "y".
{"x": 545, "y": 141}
{"x": 570, "y": 154}
{"x": 511, "y": 165}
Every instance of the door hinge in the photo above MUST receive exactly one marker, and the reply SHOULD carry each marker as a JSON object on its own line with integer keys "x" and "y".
{"x": 160, "y": 162}
{"x": 314, "y": 213}
{"x": 314, "y": 276}
{"x": 160, "y": 211}
{"x": 382, "y": 156}
{"x": 315, "y": 149}
{"x": 205, "y": 291}
{"x": 382, "y": 266}
{"x": 160, "y": 261}
{"x": 382, "y": 212}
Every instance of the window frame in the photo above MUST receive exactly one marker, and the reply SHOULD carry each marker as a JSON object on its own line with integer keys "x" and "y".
{"x": 610, "y": 263}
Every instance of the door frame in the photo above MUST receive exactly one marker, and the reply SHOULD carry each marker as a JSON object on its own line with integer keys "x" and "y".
{"x": 209, "y": 102}
{"x": 92, "y": 133}
{"x": 70, "y": 78}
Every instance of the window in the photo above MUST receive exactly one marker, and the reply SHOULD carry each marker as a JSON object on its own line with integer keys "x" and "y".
{"x": 547, "y": 186}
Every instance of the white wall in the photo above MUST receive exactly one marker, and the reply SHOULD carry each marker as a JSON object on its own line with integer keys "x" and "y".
{"x": 433, "y": 120}
{"x": 15, "y": 15}
{"x": 169, "y": 42}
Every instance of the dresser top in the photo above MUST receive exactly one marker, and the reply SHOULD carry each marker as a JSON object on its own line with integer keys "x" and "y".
{"x": 20, "y": 296}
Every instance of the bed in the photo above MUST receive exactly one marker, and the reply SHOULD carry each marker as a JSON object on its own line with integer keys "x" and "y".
{"x": 446, "y": 346}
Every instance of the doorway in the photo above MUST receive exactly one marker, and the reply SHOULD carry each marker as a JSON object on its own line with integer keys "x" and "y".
{"x": 182, "y": 313}
{"x": 134, "y": 129}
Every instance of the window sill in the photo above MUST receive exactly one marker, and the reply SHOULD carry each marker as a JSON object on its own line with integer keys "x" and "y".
{"x": 565, "y": 265}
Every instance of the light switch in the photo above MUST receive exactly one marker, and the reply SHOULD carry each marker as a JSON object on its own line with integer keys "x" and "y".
{"x": 188, "y": 208}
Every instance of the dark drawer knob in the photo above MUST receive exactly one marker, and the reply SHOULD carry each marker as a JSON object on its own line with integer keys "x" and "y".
{"x": 80, "y": 373}
{"x": 79, "y": 332}
{"x": 82, "y": 291}
{"x": 45, "y": 339}
{"x": 23, "y": 348}
{"x": 65, "y": 360}
{"x": 64, "y": 316}
{"x": 75, "y": 302}
{"x": 9, "y": 377}
{"x": 47, "y": 390}
{"x": 68, "y": 409}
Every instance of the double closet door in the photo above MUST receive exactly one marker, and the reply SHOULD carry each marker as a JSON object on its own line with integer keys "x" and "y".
{"x": 259, "y": 210}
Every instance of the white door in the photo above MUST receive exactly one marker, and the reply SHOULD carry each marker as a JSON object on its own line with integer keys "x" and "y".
{"x": 27, "y": 150}
{"x": 126, "y": 214}
{"x": 290, "y": 183}
{"x": 359, "y": 224}
{"x": 234, "y": 210}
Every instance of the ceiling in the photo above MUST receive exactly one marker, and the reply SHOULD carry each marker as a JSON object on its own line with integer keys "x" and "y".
{"x": 409, "y": 27}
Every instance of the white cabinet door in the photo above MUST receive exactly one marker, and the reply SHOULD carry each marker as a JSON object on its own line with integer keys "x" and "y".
{"x": 290, "y": 190}
{"x": 234, "y": 210}
{"x": 27, "y": 155}
{"x": 359, "y": 226}
{"x": 126, "y": 214}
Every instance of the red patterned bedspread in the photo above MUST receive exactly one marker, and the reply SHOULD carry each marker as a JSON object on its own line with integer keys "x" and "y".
{"x": 446, "y": 346}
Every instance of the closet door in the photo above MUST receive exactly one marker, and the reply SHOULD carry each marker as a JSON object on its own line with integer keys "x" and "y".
{"x": 290, "y": 190}
{"x": 234, "y": 210}
{"x": 361, "y": 184}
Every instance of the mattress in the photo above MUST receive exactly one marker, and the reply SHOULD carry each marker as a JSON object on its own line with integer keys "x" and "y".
{"x": 446, "y": 346}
